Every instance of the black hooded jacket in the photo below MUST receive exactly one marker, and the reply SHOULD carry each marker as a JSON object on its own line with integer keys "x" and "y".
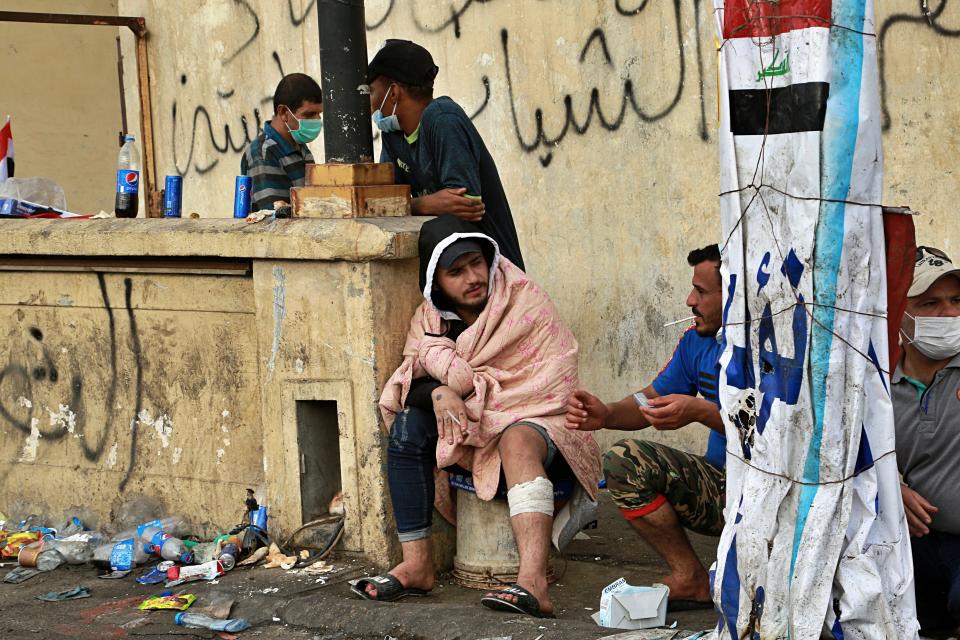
{"x": 435, "y": 236}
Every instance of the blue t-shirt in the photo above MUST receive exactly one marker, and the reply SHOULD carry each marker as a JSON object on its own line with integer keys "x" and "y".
{"x": 695, "y": 368}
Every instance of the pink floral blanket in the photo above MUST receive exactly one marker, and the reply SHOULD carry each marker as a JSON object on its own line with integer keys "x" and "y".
{"x": 516, "y": 363}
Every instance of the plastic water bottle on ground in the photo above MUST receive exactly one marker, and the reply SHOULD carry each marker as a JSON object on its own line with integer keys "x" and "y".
{"x": 174, "y": 525}
{"x": 200, "y": 621}
{"x": 121, "y": 555}
{"x": 78, "y": 548}
{"x": 158, "y": 542}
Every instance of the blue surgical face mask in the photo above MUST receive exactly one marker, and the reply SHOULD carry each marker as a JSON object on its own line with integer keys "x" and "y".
{"x": 386, "y": 124}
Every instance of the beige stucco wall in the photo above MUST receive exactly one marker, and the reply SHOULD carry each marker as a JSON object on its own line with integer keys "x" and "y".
{"x": 606, "y": 205}
{"x": 60, "y": 88}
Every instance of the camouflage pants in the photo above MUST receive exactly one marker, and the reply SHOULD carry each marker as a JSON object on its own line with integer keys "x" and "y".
{"x": 642, "y": 475}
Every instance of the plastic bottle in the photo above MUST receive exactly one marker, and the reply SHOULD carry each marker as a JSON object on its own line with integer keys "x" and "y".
{"x": 103, "y": 555}
{"x": 49, "y": 559}
{"x": 127, "y": 202}
{"x": 70, "y": 527}
{"x": 174, "y": 525}
{"x": 121, "y": 555}
{"x": 200, "y": 621}
{"x": 158, "y": 542}
{"x": 30, "y": 523}
{"x": 77, "y": 548}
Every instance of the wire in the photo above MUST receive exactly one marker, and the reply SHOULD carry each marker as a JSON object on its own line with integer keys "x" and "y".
{"x": 757, "y": 183}
{"x": 810, "y": 484}
{"x": 796, "y": 197}
{"x": 794, "y": 305}
{"x": 759, "y": 18}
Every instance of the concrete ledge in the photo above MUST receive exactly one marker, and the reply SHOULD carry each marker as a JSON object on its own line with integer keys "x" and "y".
{"x": 354, "y": 240}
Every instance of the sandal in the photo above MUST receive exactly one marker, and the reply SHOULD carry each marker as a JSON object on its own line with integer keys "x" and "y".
{"x": 525, "y": 604}
{"x": 388, "y": 588}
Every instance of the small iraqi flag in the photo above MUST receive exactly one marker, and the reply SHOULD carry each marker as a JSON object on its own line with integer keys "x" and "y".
{"x": 6, "y": 152}
{"x": 777, "y": 73}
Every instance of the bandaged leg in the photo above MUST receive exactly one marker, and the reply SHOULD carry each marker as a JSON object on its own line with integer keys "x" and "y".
{"x": 524, "y": 453}
{"x": 535, "y": 496}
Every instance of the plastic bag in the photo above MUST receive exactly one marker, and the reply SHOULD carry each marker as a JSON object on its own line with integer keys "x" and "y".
{"x": 37, "y": 190}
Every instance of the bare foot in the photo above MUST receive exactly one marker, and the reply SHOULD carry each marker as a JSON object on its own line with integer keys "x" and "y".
{"x": 410, "y": 575}
{"x": 538, "y": 589}
{"x": 695, "y": 586}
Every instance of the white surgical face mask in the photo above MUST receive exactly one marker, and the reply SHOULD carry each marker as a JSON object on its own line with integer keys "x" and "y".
{"x": 386, "y": 124}
{"x": 937, "y": 338}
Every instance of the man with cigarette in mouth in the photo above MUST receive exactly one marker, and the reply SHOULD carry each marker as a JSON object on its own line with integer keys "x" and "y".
{"x": 662, "y": 490}
{"x": 487, "y": 369}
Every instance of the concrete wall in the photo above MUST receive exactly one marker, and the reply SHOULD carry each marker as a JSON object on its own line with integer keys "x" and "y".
{"x": 110, "y": 388}
{"x": 138, "y": 374}
{"x": 60, "y": 87}
{"x": 600, "y": 114}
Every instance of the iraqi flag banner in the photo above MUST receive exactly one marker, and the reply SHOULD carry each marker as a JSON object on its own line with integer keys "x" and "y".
{"x": 815, "y": 543}
{"x": 6, "y": 151}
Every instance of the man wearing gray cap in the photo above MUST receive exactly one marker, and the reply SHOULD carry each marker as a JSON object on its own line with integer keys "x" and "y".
{"x": 435, "y": 147}
{"x": 926, "y": 404}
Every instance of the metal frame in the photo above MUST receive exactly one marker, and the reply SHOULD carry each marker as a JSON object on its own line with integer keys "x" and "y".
{"x": 138, "y": 26}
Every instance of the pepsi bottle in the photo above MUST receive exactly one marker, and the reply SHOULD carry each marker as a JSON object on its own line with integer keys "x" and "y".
{"x": 127, "y": 201}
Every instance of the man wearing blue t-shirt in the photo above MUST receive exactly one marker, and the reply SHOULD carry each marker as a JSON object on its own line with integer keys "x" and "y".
{"x": 661, "y": 490}
{"x": 435, "y": 147}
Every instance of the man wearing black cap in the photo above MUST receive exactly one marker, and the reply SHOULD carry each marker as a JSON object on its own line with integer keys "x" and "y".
{"x": 435, "y": 147}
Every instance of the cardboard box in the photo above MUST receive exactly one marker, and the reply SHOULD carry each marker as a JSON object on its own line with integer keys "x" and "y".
{"x": 624, "y": 606}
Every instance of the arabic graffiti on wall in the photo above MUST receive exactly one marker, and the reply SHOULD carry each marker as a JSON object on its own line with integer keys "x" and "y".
{"x": 48, "y": 372}
{"x": 202, "y": 134}
{"x": 928, "y": 17}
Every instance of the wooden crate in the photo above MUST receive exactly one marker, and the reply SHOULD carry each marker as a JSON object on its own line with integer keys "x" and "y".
{"x": 351, "y": 202}
{"x": 349, "y": 175}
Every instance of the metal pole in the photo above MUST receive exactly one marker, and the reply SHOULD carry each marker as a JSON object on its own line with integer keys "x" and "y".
{"x": 123, "y": 98}
{"x": 347, "y": 133}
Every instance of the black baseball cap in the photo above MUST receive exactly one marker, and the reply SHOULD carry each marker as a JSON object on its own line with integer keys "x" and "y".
{"x": 457, "y": 249}
{"x": 403, "y": 61}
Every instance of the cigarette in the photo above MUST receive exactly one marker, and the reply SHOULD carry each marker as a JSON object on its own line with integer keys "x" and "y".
{"x": 670, "y": 324}
{"x": 454, "y": 418}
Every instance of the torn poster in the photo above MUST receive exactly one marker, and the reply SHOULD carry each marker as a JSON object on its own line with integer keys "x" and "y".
{"x": 815, "y": 539}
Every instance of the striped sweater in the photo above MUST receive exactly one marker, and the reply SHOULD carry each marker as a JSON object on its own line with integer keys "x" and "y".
{"x": 275, "y": 166}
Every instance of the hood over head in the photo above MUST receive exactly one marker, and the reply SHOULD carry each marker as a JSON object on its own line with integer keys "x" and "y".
{"x": 438, "y": 234}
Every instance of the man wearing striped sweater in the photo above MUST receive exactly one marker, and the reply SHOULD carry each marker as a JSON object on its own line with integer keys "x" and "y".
{"x": 276, "y": 159}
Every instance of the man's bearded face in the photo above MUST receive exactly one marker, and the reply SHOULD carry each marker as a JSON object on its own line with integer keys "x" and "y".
{"x": 465, "y": 283}
{"x": 706, "y": 298}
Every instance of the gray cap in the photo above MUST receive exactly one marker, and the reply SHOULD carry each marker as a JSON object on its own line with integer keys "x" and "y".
{"x": 457, "y": 249}
{"x": 931, "y": 265}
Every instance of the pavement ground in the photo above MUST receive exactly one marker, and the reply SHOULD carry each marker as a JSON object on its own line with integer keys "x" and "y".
{"x": 295, "y": 605}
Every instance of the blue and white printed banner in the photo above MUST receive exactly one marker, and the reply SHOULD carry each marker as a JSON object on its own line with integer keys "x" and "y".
{"x": 815, "y": 539}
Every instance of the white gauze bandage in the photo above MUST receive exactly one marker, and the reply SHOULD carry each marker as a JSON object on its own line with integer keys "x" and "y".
{"x": 535, "y": 496}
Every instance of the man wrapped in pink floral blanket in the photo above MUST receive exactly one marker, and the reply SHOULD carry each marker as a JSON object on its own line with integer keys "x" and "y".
{"x": 487, "y": 369}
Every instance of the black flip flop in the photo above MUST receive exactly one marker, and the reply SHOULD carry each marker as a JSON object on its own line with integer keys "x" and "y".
{"x": 388, "y": 588}
{"x": 526, "y": 603}
{"x": 674, "y": 606}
